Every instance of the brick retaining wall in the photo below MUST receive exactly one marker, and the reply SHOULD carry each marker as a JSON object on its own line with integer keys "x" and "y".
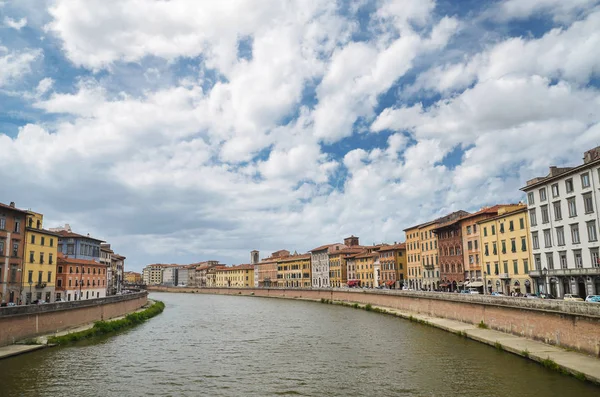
{"x": 23, "y": 322}
{"x": 574, "y": 325}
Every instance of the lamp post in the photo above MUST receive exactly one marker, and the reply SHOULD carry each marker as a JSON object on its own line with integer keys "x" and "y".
{"x": 30, "y": 294}
{"x": 484, "y": 283}
{"x": 545, "y": 272}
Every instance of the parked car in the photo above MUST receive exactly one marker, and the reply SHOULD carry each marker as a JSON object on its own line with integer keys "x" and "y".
{"x": 573, "y": 298}
{"x": 464, "y": 291}
{"x": 593, "y": 298}
{"x": 545, "y": 295}
{"x": 531, "y": 296}
{"x": 498, "y": 294}
{"x": 473, "y": 291}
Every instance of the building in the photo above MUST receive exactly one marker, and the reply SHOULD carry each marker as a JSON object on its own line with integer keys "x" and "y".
{"x": 563, "y": 216}
{"x": 78, "y": 279}
{"x": 12, "y": 246}
{"x": 267, "y": 269}
{"x": 392, "y": 261}
{"x": 183, "y": 275}
{"x": 153, "y": 274}
{"x": 471, "y": 246}
{"x": 106, "y": 259}
{"x": 365, "y": 272}
{"x": 338, "y": 267}
{"x": 430, "y": 267}
{"x": 117, "y": 266}
{"x": 320, "y": 264}
{"x": 294, "y": 271}
{"x": 76, "y": 245}
{"x": 41, "y": 250}
{"x": 198, "y": 272}
{"x": 506, "y": 254}
{"x": 413, "y": 257}
{"x": 133, "y": 278}
{"x": 450, "y": 253}
{"x": 239, "y": 276}
{"x": 169, "y": 276}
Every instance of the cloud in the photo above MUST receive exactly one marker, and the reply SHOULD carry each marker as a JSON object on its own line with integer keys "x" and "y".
{"x": 17, "y": 25}
{"x": 14, "y": 65}
{"x": 562, "y": 11}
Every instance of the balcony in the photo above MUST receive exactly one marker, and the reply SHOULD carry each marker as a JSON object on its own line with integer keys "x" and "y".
{"x": 504, "y": 276}
{"x": 590, "y": 271}
{"x": 40, "y": 285}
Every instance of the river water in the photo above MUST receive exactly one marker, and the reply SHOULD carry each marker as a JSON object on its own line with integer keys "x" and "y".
{"x": 214, "y": 345}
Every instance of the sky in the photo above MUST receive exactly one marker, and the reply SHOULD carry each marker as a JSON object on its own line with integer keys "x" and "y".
{"x": 189, "y": 130}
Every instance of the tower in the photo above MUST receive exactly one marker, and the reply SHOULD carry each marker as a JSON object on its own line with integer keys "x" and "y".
{"x": 254, "y": 257}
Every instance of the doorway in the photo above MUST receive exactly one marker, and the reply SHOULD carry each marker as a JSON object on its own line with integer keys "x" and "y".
{"x": 581, "y": 288}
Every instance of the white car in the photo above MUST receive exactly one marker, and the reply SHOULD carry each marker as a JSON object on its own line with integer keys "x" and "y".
{"x": 572, "y": 298}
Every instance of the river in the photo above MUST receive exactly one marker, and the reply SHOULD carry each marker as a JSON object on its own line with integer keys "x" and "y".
{"x": 215, "y": 345}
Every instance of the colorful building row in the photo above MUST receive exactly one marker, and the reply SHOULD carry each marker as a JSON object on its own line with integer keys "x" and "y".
{"x": 48, "y": 265}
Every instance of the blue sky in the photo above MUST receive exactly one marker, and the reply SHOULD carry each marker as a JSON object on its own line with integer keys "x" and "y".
{"x": 181, "y": 133}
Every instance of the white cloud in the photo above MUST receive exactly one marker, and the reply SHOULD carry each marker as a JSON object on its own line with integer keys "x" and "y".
{"x": 560, "y": 10}
{"x": 14, "y": 65}
{"x": 13, "y": 23}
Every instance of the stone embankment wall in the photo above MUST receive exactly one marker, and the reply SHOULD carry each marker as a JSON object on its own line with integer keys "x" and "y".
{"x": 23, "y": 322}
{"x": 574, "y": 325}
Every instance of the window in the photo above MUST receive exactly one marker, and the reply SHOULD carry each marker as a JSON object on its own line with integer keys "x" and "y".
{"x": 32, "y": 239}
{"x": 588, "y": 203}
{"x": 468, "y": 229}
{"x": 532, "y": 218}
{"x": 522, "y": 223}
{"x": 52, "y": 243}
{"x": 50, "y": 259}
{"x": 60, "y": 269}
{"x": 575, "y": 233}
{"x": 591, "y": 229}
{"x": 572, "y": 207}
{"x": 70, "y": 269}
{"x": 474, "y": 228}
{"x": 41, "y": 257}
{"x": 595, "y": 256}
{"x": 578, "y": 259}
{"x": 569, "y": 185}
{"x": 49, "y": 277}
{"x": 504, "y": 246}
{"x": 543, "y": 194}
{"x": 523, "y": 244}
{"x": 513, "y": 245}
{"x": 485, "y": 232}
{"x": 496, "y": 270}
{"x": 487, "y": 265}
{"x": 1, "y": 247}
{"x": 538, "y": 261}
{"x": 545, "y": 217}
{"x": 17, "y": 226}
{"x": 43, "y": 240}
{"x": 535, "y": 240}
{"x": 486, "y": 249}
{"x": 511, "y": 226}
{"x": 530, "y": 198}
{"x": 2, "y": 224}
{"x": 516, "y": 266}
{"x": 502, "y": 228}
{"x": 476, "y": 244}
{"x": 70, "y": 249}
{"x": 555, "y": 190}
{"x": 585, "y": 180}
{"x": 525, "y": 266}
{"x": 550, "y": 260}
{"x": 31, "y": 257}
{"x": 495, "y": 250}
{"x": 505, "y": 266}
{"x": 547, "y": 238}
{"x": 560, "y": 236}
{"x": 557, "y": 211}
{"x": 469, "y": 245}
{"x": 493, "y": 230}
{"x": 562, "y": 257}
{"x": 30, "y": 277}
{"x": 59, "y": 282}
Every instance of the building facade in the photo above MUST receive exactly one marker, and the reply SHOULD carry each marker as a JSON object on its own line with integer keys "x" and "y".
{"x": 76, "y": 245}
{"x": 294, "y": 271}
{"x": 338, "y": 269}
{"x": 506, "y": 254}
{"x": 413, "y": 258}
{"x": 106, "y": 259}
{"x": 12, "y": 248}
{"x": 320, "y": 264}
{"x": 451, "y": 260}
{"x": 564, "y": 219}
{"x": 78, "y": 279}
{"x": 41, "y": 251}
{"x": 267, "y": 269}
{"x": 133, "y": 278}
{"x": 392, "y": 260}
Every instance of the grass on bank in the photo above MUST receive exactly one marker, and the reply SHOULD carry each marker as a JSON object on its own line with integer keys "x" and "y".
{"x": 107, "y": 327}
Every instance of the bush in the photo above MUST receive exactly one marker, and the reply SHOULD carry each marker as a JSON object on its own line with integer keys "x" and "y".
{"x": 368, "y": 307}
{"x": 107, "y": 327}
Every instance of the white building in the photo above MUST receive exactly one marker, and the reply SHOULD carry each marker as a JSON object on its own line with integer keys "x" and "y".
{"x": 563, "y": 212}
{"x": 320, "y": 264}
{"x": 169, "y": 276}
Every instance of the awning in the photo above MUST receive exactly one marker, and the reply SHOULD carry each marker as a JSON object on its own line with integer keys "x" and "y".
{"x": 389, "y": 283}
{"x": 476, "y": 284}
{"x": 352, "y": 283}
{"x": 444, "y": 284}
{"x": 467, "y": 283}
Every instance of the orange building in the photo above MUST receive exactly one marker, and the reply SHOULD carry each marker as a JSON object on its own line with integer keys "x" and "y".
{"x": 392, "y": 260}
{"x": 78, "y": 279}
{"x": 266, "y": 269}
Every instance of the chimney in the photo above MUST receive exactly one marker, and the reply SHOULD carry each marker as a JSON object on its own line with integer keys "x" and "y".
{"x": 552, "y": 170}
{"x": 12, "y": 204}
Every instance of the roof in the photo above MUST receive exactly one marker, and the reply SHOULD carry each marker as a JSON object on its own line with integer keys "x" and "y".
{"x": 64, "y": 258}
{"x": 367, "y": 255}
{"x": 295, "y": 257}
{"x": 322, "y": 247}
{"x": 43, "y": 231}
{"x": 237, "y": 267}
{"x": 391, "y": 247}
{"x": 8, "y": 207}
{"x": 64, "y": 233}
{"x": 517, "y": 210}
{"x": 556, "y": 172}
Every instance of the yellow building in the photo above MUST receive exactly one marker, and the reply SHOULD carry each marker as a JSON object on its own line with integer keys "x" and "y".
{"x": 294, "y": 271}
{"x": 506, "y": 251}
{"x": 39, "y": 262}
{"x": 392, "y": 259}
{"x": 364, "y": 263}
{"x": 430, "y": 267}
{"x": 235, "y": 276}
{"x": 413, "y": 257}
{"x": 133, "y": 278}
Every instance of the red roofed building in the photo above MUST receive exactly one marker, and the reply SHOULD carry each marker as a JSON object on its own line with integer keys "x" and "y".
{"x": 78, "y": 279}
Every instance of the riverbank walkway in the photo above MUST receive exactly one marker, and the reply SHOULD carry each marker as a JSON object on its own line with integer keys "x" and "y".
{"x": 577, "y": 364}
{"x": 41, "y": 342}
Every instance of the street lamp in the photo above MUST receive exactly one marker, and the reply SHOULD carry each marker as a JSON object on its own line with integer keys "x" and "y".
{"x": 545, "y": 272}
{"x": 484, "y": 283}
{"x": 30, "y": 294}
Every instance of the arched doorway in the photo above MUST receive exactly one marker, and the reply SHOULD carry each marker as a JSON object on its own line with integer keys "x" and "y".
{"x": 597, "y": 286}
{"x": 489, "y": 286}
{"x": 453, "y": 286}
{"x": 527, "y": 287}
{"x": 581, "y": 287}
{"x": 517, "y": 286}
{"x": 566, "y": 285}
{"x": 553, "y": 288}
